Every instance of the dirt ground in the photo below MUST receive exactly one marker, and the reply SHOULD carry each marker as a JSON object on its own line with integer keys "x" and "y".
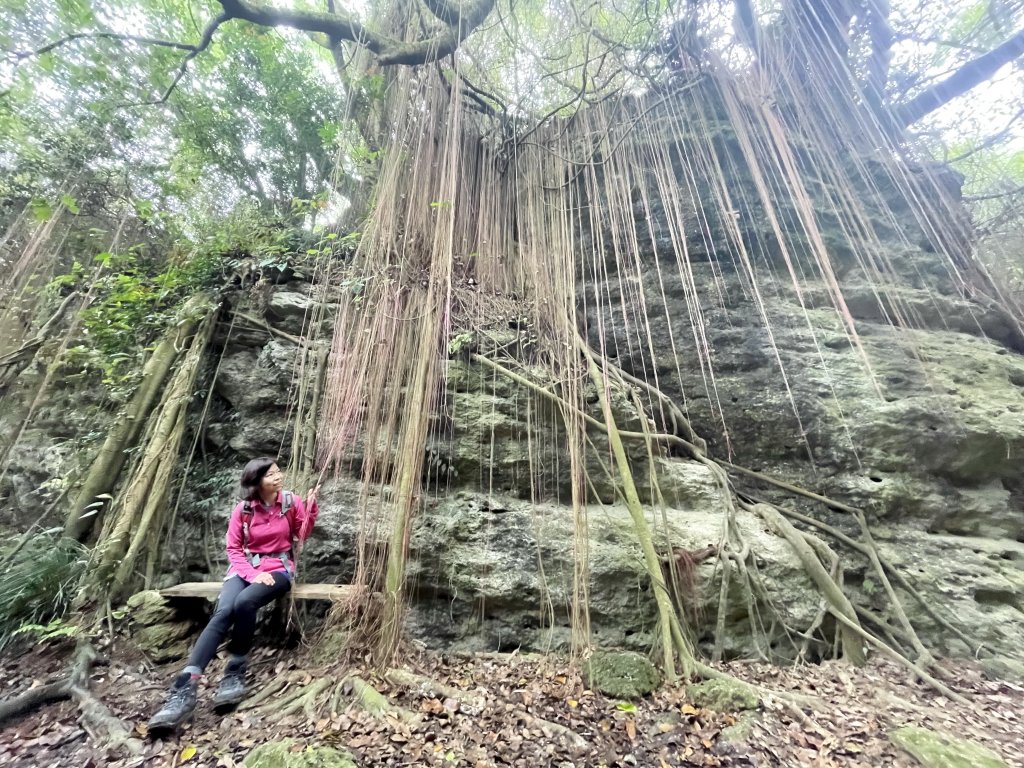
{"x": 510, "y": 710}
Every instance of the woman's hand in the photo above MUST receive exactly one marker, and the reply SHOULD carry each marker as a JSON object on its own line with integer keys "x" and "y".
{"x": 266, "y": 579}
{"x": 311, "y": 495}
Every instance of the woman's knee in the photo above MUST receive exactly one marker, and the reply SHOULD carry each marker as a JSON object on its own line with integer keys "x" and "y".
{"x": 246, "y": 606}
{"x": 223, "y": 613}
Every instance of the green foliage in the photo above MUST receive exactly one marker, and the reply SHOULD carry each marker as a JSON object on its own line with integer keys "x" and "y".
{"x": 135, "y": 301}
{"x": 459, "y": 342}
{"x": 39, "y": 583}
{"x": 57, "y": 629}
{"x": 256, "y": 118}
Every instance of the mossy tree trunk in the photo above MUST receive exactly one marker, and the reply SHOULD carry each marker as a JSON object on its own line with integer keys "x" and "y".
{"x": 138, "y": 511}
{"x": 88, "y": 507}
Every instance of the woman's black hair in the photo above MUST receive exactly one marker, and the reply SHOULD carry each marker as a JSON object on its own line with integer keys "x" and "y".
{"x": 253, "y": 474}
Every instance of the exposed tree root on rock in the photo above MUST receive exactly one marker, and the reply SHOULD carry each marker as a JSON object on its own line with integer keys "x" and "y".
{"x": 852, "y": 645}
{"x": 311, "y": 697}
{"x": 736, "y": 559}
{"x": 375, "y": 702}
{"x": 272, "y": 688}
{"x": 95, "y": 718}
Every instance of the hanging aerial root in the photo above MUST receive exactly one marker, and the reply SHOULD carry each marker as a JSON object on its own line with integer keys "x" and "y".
{"x": 820, "y": 561}
{"x": 890, "y": 570}
{"x": 107, "y": 464}
{"x": 924, "y": 657}
{"x": 140, "y": 507}
{"x": 672, "y": 637}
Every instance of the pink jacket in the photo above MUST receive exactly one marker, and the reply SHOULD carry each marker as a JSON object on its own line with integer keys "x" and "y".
{"x": 269, "y": 531}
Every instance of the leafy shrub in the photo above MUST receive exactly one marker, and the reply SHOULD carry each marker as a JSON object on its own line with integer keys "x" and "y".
{"x": 39, "y": 581}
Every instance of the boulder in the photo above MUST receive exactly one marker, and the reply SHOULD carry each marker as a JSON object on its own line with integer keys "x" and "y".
{"x": 723, "y": 695}
{"x": 149, "y": 607}
{"x": 289, "y": 753}
{"x": 933, "y": 749}
{"x": 621, "y": 674}
{"x": 164, "y": 642}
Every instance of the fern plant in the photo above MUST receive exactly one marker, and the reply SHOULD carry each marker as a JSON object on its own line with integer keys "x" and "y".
{"x": 40, "y": 578}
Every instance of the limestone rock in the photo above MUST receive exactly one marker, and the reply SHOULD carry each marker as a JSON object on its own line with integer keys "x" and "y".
{"x": 621, "y": 674}
{"x": 723, "y": 695}
{"x": 149, "y": 607}
{"x": 940, "y": 750}
{"x": 164, "y": 642}
{"x": 289, "y": 753}
{"x": 489, "y": 561}
{"x": 977, "y": 582}
{"x": 289, "y": 304}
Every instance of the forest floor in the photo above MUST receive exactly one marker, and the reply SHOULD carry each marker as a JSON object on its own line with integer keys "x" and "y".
{"x": 517, "y": 711}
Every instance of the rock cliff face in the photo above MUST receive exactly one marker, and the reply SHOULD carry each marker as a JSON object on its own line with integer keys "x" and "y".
{"x": 931, "y": 454}
{"x": 929, "y": 444}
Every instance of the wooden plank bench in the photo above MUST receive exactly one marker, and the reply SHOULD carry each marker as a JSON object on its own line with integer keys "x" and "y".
{"x": 210, "y": 589}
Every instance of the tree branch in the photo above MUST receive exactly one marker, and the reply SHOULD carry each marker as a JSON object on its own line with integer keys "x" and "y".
{"x": 448, "y": 12}
{"x": 880, "y": 36}
{"x": 193, "y": 49}
{"x": 995, "y": 138}
{"x": 968, "y": 76}
{"x": 338, "y": 27}
{"x": 53, "y": 45}
{"x": 995, "y": 195}
{"x": 203, "y": 44}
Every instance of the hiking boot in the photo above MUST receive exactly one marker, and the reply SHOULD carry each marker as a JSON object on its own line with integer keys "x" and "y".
{"x": 232, "y": 687}
{"x": 180, "y": 703}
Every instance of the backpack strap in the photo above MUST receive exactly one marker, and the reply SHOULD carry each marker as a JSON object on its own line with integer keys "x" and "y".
{"x": 247, "y": 514}
{"x": 287, "y": 502}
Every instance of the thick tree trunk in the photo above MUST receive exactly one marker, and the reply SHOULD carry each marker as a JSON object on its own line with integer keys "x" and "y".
{"x": 141, "y": 505}
{"x": 109, "y": 461}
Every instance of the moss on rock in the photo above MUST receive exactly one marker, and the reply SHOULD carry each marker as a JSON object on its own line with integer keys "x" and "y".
{"x": 149, "y": 607}
{"x": 723, "y": 695}
{"x": 289, "y": 753}
{"x": 163, "y": 642}
{"x": 939, "y": 750}
{"x": 741, "y": 730}
{"x": 622, "y": 674}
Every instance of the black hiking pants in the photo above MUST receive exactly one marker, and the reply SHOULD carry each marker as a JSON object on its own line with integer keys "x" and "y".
{"x": 236, "y": 611}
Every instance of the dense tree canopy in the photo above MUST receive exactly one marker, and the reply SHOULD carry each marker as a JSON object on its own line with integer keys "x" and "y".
{"x": 191, "y": 106}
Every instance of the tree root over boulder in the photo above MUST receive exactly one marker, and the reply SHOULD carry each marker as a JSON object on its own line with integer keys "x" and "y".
{"x": 95, "y": 718}
{"x": 311, "y": 697}
{"x": 855, "y": 628}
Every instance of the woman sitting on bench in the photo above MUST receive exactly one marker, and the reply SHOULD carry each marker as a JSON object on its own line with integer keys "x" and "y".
{"x": 259, "y": 543}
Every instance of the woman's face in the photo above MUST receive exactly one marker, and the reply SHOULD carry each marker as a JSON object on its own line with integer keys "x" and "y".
{"x": 271, "y": 482}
